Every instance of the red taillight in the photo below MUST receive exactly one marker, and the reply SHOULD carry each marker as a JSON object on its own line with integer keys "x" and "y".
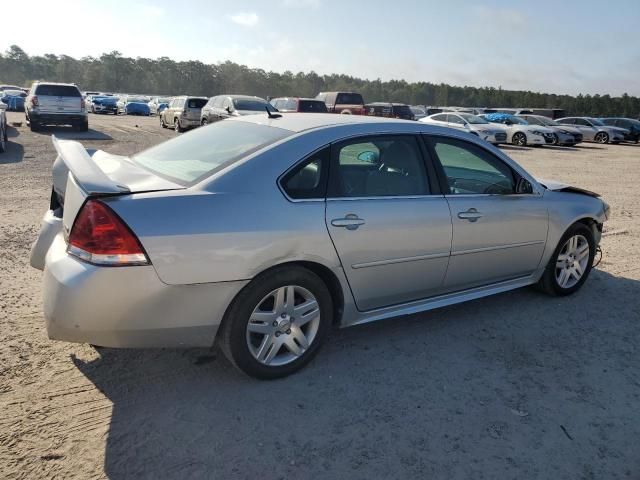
{"x": 34, "y": 101}
{"x": 99, "y": 236}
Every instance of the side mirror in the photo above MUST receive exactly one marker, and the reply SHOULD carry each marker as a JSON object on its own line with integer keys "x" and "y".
{"x": 508, "y": 122}
{"x": 524, "y": 186}
{"x": 368, "y": 157}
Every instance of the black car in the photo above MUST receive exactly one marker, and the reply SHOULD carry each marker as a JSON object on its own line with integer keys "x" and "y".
{"x": 629, "y": 123}
{"x": 390, "y": 110}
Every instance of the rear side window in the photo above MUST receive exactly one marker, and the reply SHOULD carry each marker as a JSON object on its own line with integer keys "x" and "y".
{"x": 379, "y": 166}
{"x": 309, "y": 179}
{"x": 439, "y": 118}
{"x": 58, "y": 91}
{"x": 349, "y": 99}
{"x": 196, "y": 102}
{"x": 190, "y": 158}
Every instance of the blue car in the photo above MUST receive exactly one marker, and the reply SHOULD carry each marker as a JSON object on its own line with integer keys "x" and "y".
{"x": 137, "y": 106}
{"x": 14, "y": 99}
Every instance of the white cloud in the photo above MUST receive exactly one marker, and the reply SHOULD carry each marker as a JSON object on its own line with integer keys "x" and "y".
{"x": 246, "y": 19}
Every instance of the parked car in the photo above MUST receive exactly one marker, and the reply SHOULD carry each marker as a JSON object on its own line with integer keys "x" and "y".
{"x": 469, "y": 123}
{"x": 51, "y": 103}
{"x": 348, "y": 103}
{"x": 630, "y": 124}
{"x": 563, "y": 134}
{"x": 297, "y": 104}
{"x": 3, "y": 127}
{"x": 10, "y": 87}
{"x": 183, "y": 113}
{"x": 418, "y": 112}
{"x": 245, "y": 236}
{"x": 101, "y": 104}
{"x": 133, "y": 105}
{"x": 519, "y": 132}
{"x": 157, "y": 104}
{"x": 14, "y": 99}
{"x": 228, "y": 106}
{"x": 593, "y": 130}
{"x": 389, "y": 110}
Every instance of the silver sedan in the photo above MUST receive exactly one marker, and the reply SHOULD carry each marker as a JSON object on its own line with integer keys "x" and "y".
{"x": 261, "y": 232}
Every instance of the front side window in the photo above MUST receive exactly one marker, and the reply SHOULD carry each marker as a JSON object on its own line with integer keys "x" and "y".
{"x": 470, "y": 169}
{"x": 582, "y": 122}
{"x": 379, "y": 166}
{"x": 308, "y": 180}
{"x": 455, "y": 119}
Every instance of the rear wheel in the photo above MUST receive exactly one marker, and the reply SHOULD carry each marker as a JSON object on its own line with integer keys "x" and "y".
{"x": 176, "y": 125}
{"x": 602, "y": 137}
{"x": 204, "y": 122}
{"x": 162, "y": 124}
{"x": 277, "y": 323}
{"x": 571, "y": 262}
{"x": 519, "y": 139}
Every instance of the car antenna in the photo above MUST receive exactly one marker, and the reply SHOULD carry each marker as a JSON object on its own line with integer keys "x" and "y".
{"x": 272, "y": 115}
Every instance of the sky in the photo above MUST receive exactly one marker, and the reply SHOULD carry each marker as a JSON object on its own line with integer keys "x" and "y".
{"x": 564, "y": 47}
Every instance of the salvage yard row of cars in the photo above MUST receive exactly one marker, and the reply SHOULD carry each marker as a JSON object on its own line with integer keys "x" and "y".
{"x": 48, "y": 103}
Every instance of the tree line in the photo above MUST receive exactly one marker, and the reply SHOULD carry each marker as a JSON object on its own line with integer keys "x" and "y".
{"x": 112, "y": 72}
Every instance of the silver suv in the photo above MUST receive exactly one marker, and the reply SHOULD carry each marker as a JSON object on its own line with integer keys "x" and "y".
{"x": 51, "y": 103}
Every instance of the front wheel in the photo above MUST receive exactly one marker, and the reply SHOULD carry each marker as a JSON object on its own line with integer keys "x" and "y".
{"x": 571, "y": 262}
{"x": 277, "y": 323}
{"x": 204, "y": 122}
{"x": 602, "y": 137}
{"x": 519, "y": 139}
{"x": 176, "y": 125}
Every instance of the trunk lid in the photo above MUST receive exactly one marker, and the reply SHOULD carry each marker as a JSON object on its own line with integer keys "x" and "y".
{"x": 78, "y": 175}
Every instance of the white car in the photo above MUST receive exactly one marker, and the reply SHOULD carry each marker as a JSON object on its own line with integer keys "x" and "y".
{"x": 469, "y": 123}
{"x": 519, "y": 132}
{"x": 156, "y": 102}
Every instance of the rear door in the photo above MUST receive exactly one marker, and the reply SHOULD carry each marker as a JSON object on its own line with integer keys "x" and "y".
{"x": 498, "y": 234}
{"x": 390, "y": 225}
{"x": 62, "y": 99}
{"x": 194, "y": 108}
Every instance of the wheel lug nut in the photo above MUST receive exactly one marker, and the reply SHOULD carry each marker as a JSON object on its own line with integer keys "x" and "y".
{"x": 288, "y": 331}
{"x": 275, "y": 324}
{"x": 277, "y": 334}
{"x": 283, "y": 315}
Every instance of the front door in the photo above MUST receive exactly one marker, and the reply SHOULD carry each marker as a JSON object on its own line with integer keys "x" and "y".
{"x": 393, "y": 236}
{"x": 498, "y": 234}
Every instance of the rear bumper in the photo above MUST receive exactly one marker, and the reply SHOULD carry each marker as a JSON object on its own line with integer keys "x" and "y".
{"x": 57, "y": 118}
{"x": 128, "y": 306}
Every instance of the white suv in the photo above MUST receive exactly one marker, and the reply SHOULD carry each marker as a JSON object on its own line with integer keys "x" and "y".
{"x": 56, "y": 104}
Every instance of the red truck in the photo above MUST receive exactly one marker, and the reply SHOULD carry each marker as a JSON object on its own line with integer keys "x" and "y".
{"x": 347, "y": 103}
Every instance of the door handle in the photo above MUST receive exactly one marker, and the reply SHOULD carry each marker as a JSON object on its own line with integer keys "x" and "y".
{"x": 472, "y": 215}
{"x": 350, "y": 222}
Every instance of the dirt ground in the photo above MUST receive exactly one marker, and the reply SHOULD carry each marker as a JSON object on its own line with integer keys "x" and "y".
{"x": 515, "y": 386}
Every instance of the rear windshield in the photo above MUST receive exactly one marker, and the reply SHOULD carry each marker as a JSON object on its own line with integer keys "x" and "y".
{"x": 196, "y": 155}
{"x": 349, "y": 99}
{"x": 196, "y": 102}
{"x": 252, "y": 105}
{"x": 58, "y": 91}
{"x": 312, "y": 106}
{"x": 402, "y": 110}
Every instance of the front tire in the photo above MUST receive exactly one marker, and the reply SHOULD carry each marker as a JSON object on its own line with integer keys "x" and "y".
{"x": 162, "y": 124}
{"x": 519, "y": 139}
{"x": 176, "y": 125}
{"x": 571, "y": 262}
{"x": 277, "y": 323}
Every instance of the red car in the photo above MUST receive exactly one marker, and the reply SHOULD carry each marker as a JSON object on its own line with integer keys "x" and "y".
{"x": 349, "y": 103}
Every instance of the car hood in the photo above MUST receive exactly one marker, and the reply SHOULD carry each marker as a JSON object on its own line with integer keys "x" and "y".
{"x": 556, "y": 186}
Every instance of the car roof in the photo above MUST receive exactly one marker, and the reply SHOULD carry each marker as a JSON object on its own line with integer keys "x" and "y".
{"x": 297, "y": 98}
{"x": 251, "y": 97}
{"x": 298, "y": 122}
{"x": 56, "y": 83}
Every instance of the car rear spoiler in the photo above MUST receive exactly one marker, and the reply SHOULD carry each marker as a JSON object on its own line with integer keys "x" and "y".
{"x": 86, "y": 172}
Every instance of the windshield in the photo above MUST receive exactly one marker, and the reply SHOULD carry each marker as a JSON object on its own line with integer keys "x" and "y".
{"x": 595, "y": 121}
{"x": 192, "y": 157}
{"x": 402, "y": 110}
{"x": 312, "y": 106}
{"x": 252, "y": 105}
{"x": 473, "y": 119}
{"x": 137, "y": 100}
{"x": 349, "y": 99}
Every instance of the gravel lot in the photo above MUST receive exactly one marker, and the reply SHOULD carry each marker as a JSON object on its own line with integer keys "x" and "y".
{"x": 518, "y": 385}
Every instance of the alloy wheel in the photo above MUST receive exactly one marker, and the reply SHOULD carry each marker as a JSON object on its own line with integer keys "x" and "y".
{"x": 602, "y": 137}
{"x": 519, "y": 139}
{"x": 572, "y": 261}
{"x": 283, "y": 325}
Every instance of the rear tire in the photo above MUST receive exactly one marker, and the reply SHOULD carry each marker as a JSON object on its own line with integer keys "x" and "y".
{"x": 242, "y": 344}
{"x": 567, "y": 258}
{"x": 34, "y": 126}
{"x": 176, "y": 125}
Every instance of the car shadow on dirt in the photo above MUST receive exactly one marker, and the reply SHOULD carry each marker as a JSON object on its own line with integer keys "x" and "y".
{"x": 69, "y": 133}
{"x": 514, "y": 383}
{"x": 513, "y": 147}
{"x": 14, "y": 152}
